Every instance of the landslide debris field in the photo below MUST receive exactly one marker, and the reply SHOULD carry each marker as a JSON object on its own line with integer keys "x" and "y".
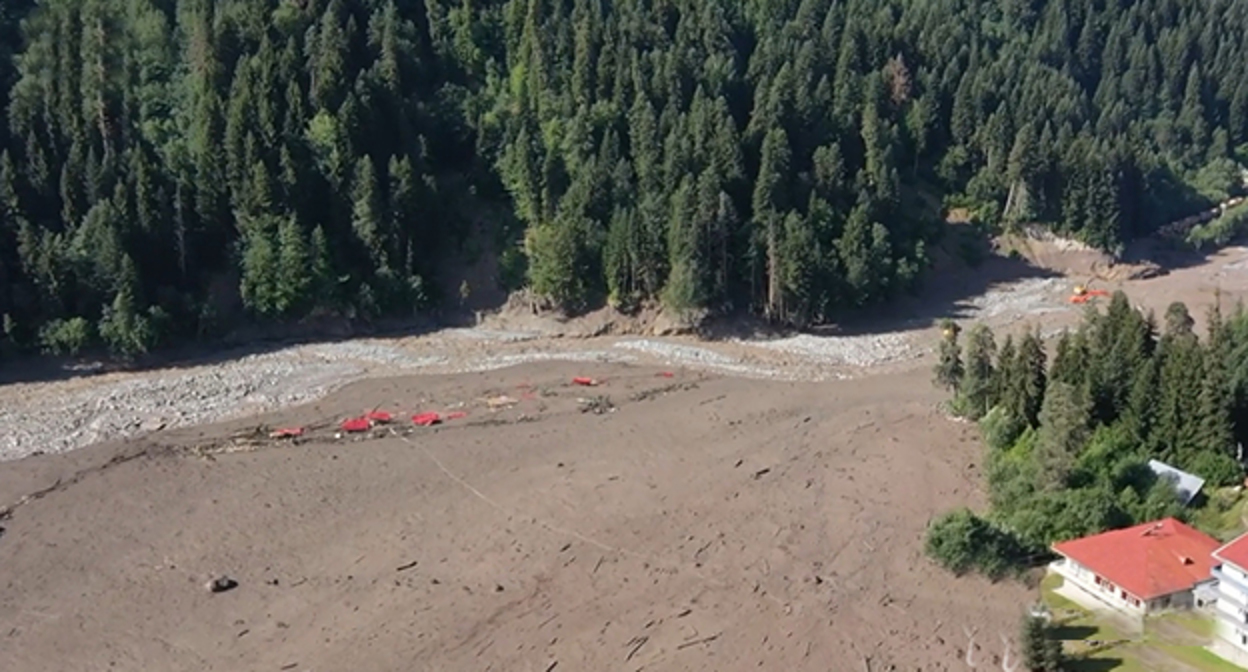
{"x": 729, "y": 505}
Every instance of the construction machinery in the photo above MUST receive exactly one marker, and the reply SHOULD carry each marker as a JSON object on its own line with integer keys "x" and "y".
{"x": 1084, "y": 293}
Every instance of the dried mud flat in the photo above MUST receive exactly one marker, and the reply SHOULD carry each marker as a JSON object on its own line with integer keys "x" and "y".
{"x": 700, "y": 522}
{"x": 761, "y": 508}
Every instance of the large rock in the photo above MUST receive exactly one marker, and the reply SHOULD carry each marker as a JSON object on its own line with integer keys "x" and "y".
{"x": 671, "y": 323}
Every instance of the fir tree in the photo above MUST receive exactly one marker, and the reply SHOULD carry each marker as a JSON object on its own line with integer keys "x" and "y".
{"x": 1064, "y": 420}
{"x": 260, "y": 264}
{"x": 295, "y": 269}
{"x": 323, "y": 280}
{"x": 979, "y": 381}
{"x": 1034, "y": 643}
{"x": 1040, "y": 651}
{"x": 1032, "y": 359}
{"x": 368, "y": 214}
{"x": 1070, "y": 359}
{"x": 812, "y": 135}
{"x": 1007, "y": 373}
{"x": 124, "y": 329}
{"x": 949, "y": 371}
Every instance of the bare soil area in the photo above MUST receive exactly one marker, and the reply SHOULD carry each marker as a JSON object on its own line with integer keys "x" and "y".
{"x": 699, "y": 522}
{"x": 746, "y": 502}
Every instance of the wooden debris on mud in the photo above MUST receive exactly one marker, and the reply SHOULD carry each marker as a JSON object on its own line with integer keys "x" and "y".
{"x": 597, "y": 405}
{"x": 500, "y": 402}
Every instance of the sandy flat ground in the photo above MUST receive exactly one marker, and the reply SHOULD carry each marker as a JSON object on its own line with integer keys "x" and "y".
{"x": 707, "y": 523}
{"x": 761, "y": 507}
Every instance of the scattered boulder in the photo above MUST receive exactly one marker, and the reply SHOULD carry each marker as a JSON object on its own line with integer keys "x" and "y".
{"x": 1147, "y": 270}
{"x": 221, "y": 584}
{"x": 673, "y": 323}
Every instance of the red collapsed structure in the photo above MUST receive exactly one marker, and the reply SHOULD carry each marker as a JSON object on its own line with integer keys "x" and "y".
{"x": 373, "y": 418}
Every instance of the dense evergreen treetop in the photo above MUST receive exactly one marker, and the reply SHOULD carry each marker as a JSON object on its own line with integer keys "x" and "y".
{"x": 167, "y": 165}
{"x": 1069, "y": 438}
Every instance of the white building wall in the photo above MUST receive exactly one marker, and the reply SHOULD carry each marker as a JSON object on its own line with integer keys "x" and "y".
{"x": 1236, "y": 637}
{"x": 1238, "y": 576}
{"x": 1101, "y": 588}
{"x": 1235, "y": 572}
{"x": 1227, "y": 608}
{"x": 1232, "y": 607}
{"x": 1182, "y": 600}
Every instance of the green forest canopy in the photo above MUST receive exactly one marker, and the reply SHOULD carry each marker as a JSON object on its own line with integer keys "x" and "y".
{"x": 168, "y": 165}
{"x": 1069, "y": 440}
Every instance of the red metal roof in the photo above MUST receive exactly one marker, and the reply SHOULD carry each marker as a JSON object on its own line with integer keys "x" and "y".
{"x": 1149, "y": 560}
{"x": 1235, "y": 552}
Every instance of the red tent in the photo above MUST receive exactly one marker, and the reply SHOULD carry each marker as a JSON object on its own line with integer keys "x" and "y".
{"x": 426, "y": 419}
{"x": 356, "y": 425}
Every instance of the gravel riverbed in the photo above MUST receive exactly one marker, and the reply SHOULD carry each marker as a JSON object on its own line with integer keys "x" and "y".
{"x": 53, "y": 417}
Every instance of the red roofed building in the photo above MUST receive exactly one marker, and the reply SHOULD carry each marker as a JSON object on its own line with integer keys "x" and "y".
{"x": 1138, "y": 569}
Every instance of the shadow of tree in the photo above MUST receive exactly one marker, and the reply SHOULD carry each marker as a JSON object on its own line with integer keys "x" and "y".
{"x": 1072, "y": 632}
{"x": 1094, "y": 664}
{"x": 242, "y": 343}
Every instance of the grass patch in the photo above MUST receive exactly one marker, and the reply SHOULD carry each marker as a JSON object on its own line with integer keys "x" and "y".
{"x": 1222, "y": 515}
{"x": 1076, "y": 626}
{"x": 1108, "y": 664}
{"x": 1170, "y": 642}
{"x": 1198, "y": 658}
{"x": 1193, "y": 624}
{"x": 1222, "y": 229}
{"x": 1048, "y": 587}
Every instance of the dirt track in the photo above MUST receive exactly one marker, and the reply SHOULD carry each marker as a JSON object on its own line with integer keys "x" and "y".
{"x": 726, "y": 518}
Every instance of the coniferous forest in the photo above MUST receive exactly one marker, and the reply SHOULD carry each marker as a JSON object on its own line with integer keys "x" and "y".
{"x": 1069, "y": 437}
{"x": 169, "y": 167}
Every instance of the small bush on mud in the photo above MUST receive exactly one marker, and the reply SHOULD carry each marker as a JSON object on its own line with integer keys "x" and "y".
{"x": 962, "y": 542}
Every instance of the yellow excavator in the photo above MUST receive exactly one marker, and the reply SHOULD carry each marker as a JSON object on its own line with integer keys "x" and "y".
{"x": 1084, "y": 293}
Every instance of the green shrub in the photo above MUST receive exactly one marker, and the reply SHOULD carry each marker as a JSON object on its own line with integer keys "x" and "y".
{"x": 127, "y": 333}
{"x": 1222, "y": 229}
{"x": 1219, "y": 179}
{"x": 962, "y": 542}
{"x": 66, "y": 337}
{"x": 1000, "y": 428}
{"x": 1216, "y": 468}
